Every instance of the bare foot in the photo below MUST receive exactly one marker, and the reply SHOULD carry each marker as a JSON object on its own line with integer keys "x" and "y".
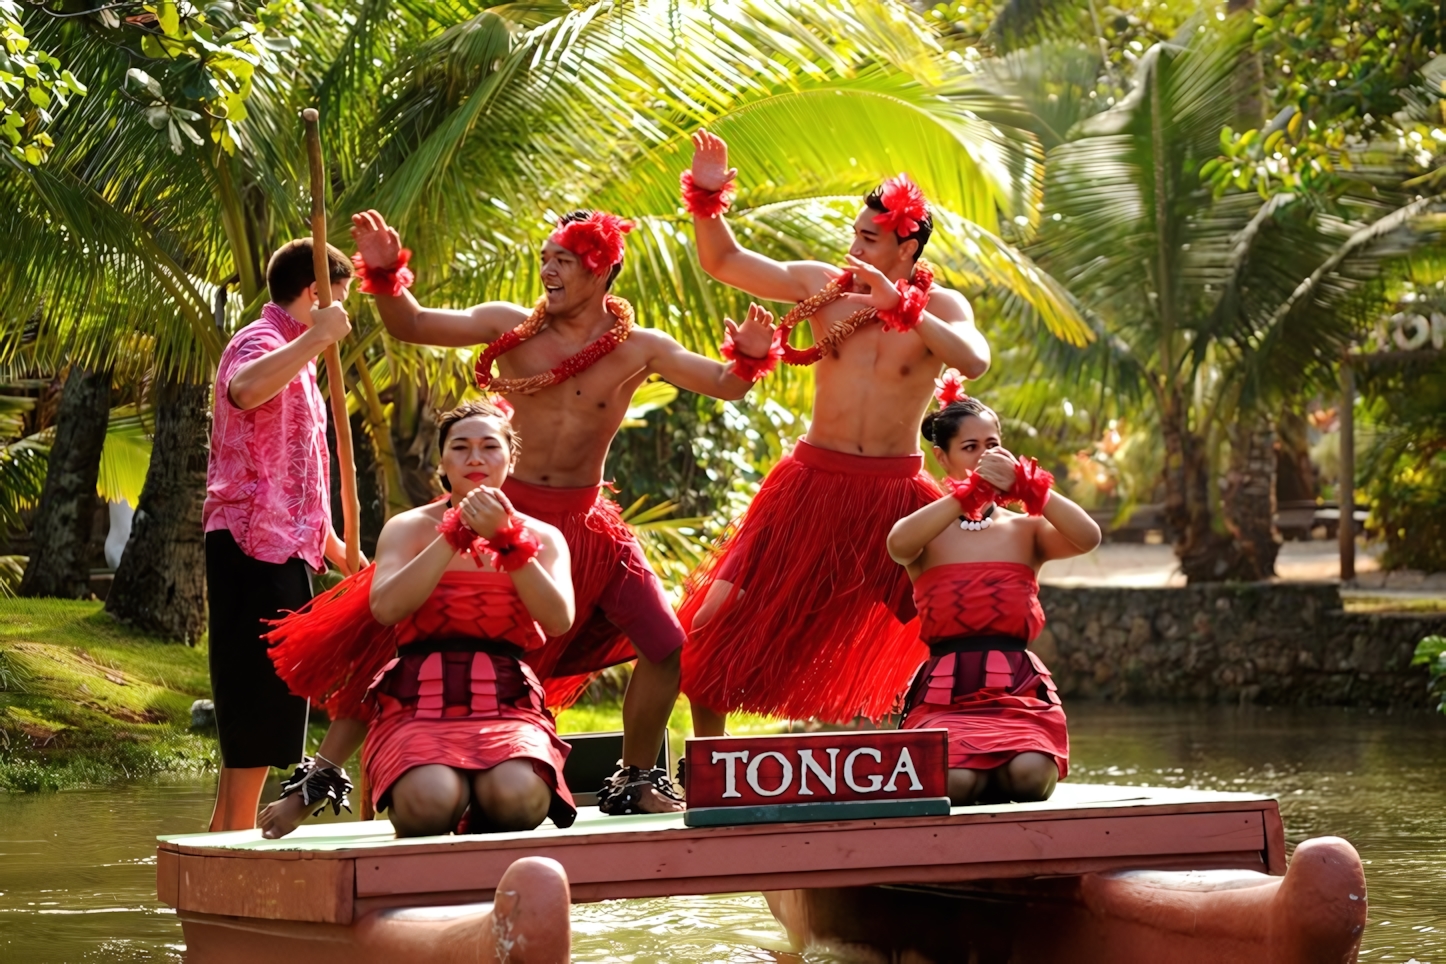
{"x": 281, "y": 817}
{"x": 651, "y": 801}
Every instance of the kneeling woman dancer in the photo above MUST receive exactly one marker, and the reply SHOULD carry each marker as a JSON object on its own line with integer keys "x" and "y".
{"x": 457, "y": 723}
{"x": 973, "y": 564}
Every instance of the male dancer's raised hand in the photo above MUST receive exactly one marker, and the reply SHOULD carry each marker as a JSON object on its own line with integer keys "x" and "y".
{"x": 376, "y": 241}
{"x": 710, "y": 161}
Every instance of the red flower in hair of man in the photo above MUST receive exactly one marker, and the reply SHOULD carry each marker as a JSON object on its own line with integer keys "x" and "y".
{"x": 904, "y": 205}
{"x": 949, "y": 388}
{"x": 597, "y": 241}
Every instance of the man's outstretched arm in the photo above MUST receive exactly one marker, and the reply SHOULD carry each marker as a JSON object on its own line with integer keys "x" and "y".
{"x": 701, "y": 374}
{"x": 405, "y": 319}
{"x": 719, "y": 252}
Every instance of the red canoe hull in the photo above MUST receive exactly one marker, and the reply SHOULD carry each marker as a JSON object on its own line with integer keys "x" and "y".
{"x": 527, "y": 924}
{"x": 1315, "y": 914}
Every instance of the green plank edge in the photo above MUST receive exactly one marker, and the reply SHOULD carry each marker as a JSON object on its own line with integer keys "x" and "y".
{"x": 831, "y": 810}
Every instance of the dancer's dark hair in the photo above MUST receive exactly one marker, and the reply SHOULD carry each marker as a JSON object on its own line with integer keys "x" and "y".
{"x": 291, "y": 270}
{"x": 874, "y": 201}
{"x": 477, "y": 407}
{"x": 941, "y": 427}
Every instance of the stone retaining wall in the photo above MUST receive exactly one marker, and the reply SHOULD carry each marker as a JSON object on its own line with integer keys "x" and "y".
{"x": 1282, "y": 644}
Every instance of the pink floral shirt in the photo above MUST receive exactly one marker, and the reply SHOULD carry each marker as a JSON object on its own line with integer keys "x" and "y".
{"x": 267, "y": 480}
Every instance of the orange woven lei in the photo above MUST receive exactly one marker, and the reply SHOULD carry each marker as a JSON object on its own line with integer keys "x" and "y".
{"x": 575, "y": 365}
{"x": 923, "y": 277}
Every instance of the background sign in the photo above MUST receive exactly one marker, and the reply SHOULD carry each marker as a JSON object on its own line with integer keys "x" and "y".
{"x": 850, "y": 765}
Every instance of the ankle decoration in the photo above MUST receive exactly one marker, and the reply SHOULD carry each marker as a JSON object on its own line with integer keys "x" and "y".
{"x": 509, "y": 549}
{"x": 622, "y": 794}
{"x": 973, "y": 494}
{"x": 385, "y": 281}
{"x": 906, "y": 315}
{"x": 747, "y": 367}
{"x": 1031, "y": 486}
{"x": 325, "y": 784}
{"x": 702, "y": 203}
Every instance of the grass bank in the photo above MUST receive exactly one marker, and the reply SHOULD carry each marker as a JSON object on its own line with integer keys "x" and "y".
{"x": 85, "y": 700}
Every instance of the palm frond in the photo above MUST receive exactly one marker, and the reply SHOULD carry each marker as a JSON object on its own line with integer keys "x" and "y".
{"x": 125, "y": 458}
{"x": 22, "y": 477}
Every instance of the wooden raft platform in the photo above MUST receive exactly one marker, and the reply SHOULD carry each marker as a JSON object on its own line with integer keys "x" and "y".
{"x": 334, "y": 873}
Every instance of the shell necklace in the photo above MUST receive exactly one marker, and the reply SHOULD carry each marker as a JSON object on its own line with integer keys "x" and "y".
{"x": 975, "y": 525}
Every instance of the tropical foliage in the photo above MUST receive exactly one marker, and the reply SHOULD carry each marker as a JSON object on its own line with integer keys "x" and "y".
{"x": 471, "y": 124}
{"x": 1404, "y": 468}
{"x": 33, "y": 85}
{"x": 1431, "y": 653}
{"x": 1172, "y": 221}
{"x": 1216, "y": 308}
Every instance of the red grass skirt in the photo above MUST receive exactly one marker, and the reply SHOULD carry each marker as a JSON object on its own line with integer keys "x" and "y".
{"x": 617, "y": 594}
{"x": 1015, "y": 711}
{"x": 820, "y": 621}
{"x": 471, "y": 731}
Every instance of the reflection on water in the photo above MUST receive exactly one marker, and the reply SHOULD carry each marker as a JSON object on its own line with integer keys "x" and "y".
{"x": 77, "y": 869}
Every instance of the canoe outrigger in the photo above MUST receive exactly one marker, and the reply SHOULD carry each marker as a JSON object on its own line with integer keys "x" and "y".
{"x": 1097, "y": 873}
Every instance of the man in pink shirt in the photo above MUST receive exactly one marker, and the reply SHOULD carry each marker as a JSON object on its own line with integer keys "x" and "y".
{"x": 267, "y": 518}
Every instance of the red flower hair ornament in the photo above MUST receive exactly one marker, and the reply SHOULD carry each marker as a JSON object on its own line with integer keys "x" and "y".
{"x": 597, "y": 241}
{"x": 949, "y": 388}
{"x": 904, "y": 205}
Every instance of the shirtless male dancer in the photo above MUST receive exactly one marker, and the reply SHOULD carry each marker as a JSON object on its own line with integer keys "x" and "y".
{"x": 800, "y": 612}
{"x": 569, "y": 367}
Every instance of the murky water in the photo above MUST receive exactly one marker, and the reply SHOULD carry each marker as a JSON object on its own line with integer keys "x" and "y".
{"x": 77, "y": 869}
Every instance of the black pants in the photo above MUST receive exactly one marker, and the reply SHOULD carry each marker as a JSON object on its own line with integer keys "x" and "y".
{"x": 260, "y": 723}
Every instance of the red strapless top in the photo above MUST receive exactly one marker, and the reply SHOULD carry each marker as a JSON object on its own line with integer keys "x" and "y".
{"x": 975, "y": 598}
{"x": 478, "y": 604}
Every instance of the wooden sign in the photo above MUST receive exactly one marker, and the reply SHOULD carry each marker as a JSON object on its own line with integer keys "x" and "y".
{"x": 817, "y": 776}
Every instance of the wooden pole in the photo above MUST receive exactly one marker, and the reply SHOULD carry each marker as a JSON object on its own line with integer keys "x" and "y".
{"x": 336, "y": 387}
{"x": 1347, "y": 499}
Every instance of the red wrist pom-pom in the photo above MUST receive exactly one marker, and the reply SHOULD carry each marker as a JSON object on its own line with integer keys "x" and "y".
{"x": 973, "y": 494}
{"x": 384, "y": 281}
{"x": 511, "y": 547}
{"x": 1031, "y": 486}
{"x": 703, "y": 203}
{"x": 459, "y": 535}
{"x": 747, "y": 367}
{"x": 906, "y": 314}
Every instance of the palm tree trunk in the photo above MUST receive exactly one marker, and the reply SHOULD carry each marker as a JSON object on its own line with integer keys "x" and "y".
{"x": 1249, "y": 501}
{"x": 1295, "y": 476}
{"x": 389, "y": 471}
{"x": 160, "y": 585}
{"x": 414, "y": 439}
{"x": 1205, "y": 555}
{"x": 60, "y": 565}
